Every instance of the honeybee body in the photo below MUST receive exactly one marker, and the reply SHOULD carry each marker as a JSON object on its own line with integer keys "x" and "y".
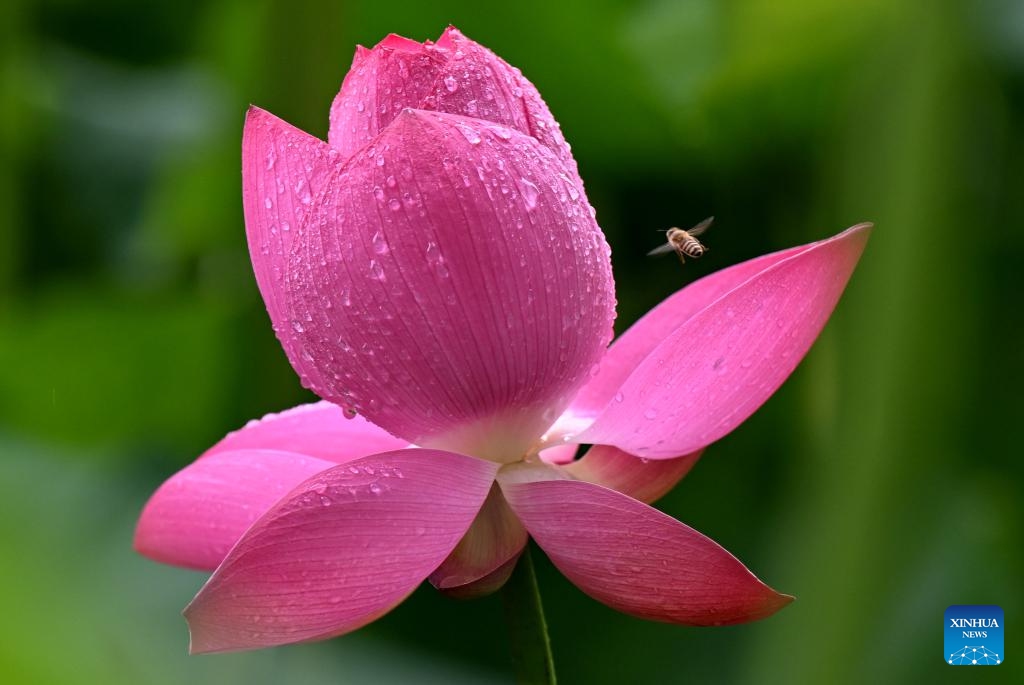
{"x": 684, "y": 243}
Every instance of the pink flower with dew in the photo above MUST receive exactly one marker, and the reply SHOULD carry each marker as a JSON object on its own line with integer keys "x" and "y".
{"x": 434, "y": 273}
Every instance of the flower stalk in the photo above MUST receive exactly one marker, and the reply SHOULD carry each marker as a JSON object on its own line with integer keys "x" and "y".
{"x": 527, "y": 627}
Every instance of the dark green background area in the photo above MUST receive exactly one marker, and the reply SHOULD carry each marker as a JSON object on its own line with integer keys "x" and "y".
{"x": 878, "y": 486}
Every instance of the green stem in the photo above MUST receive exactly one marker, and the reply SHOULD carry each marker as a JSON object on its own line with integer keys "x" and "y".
{"x": 528, "y": 631}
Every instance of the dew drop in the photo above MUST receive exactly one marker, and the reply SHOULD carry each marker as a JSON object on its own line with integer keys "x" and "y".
{"x": 433, "y": 252}
{"x": 271, "y": 159}
{"x": 451, "y": 84}
{"x": 298, "y": 327}
{"x": 530, "y": 193}
{"x": 268, "y": 203}
{"x": 380, "y": 244}
{"x": 376, "y": 270}
{"x": 619, "y": 397}
{"x": 376, "y": 489}
{"x": 394, "y": 204}
{"x": 651, "y": 414}
{"x": 470, "y": 135}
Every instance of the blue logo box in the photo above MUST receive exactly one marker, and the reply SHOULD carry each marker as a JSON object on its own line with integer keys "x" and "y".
{"x": 974, "y": 635}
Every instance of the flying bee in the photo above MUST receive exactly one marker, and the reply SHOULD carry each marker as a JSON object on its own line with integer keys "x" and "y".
{"x": 684, "y": 243}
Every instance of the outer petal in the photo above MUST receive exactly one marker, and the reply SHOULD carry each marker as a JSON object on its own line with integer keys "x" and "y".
{"x": 342, "y": 549}
{"x": 495, "y": 539}
{"x": 642, "y": 479}
{"x": 635, "y": 558}
{"x": 282, "y": 169}
{"x": 198, "y": 514}
{"x": 320, "y": 429}
{"x": 452, "y": 286}
{"x": 630, "y": 348}
{"x": 457, "y": 76}
{"x": 717, "y": 368}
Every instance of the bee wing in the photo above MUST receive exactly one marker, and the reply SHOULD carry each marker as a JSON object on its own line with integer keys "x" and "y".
{"x": 662, "y": 249}
{"x": 701, "y": 227}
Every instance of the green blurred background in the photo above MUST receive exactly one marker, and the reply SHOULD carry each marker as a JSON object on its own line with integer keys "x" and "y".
{"x": 878, "y": 485}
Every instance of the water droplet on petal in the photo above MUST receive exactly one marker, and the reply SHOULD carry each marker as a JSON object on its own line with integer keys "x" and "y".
{"x": 376, "y": 270}
{"x": 619, "y": 397}
{"x": 470, "y": 135}
{"x": 380, "y": 244}
{"x": 651, "y": 414}
{"x": 394, "y": 204}
{"x": 530, "y": 193}
{"x": 451, "y": 84}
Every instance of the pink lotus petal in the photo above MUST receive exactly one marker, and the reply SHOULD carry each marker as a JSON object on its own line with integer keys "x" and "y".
{"x": 453, "y": 286}
{"x": 282, "y": 169}
{"x": 198, "y": 514}
{"x": 477, "y": 83}
{"x": 646, "y": 480}
{"x": 486, "y": 585}
{"x": 495, "y": 539}
{"x": 713, "y": 371}
{"x": 559, "y": 454}
{"x": 457, "y": 76}
{"x": 396, "y": 74}
{"x": 320, "y": 430}
{"x": 342, "y": 549}
{"x": 635, "y": 558}
{"x": 640, "y": 339}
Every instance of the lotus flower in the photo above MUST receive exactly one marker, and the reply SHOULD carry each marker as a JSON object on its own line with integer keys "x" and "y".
{"x": 435, "y": 274}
